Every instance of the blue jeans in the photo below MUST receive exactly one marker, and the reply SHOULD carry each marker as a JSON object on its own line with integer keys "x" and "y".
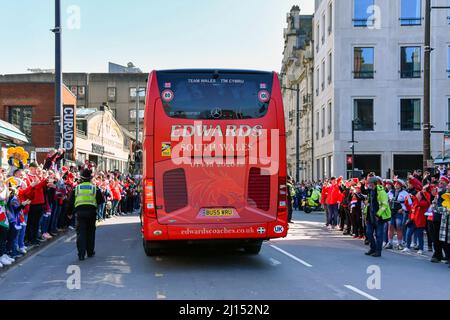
{"x": 44, "y": 223}
{"x": 101, "y": 211}
{"x": 57, "y": 208}
{"x": 333, "y": 211}
{"x": 417, "y": 232}
{"x": 375, "y": 234}
{"x": 11, "y": 239}
{"x": 114, "y": 208}
{"x": 21, "y": 236}
{"x": 137, "y": 201}
{"x": 386, "y": 233}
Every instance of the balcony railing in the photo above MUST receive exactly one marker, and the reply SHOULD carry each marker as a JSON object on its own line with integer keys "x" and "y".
{"x": 410, "y": 73}
{"x": 410, "y": 126}
{"x": 410, "y": 21}
{"x": 366, "y": 74}
{"x": 363, "y": 23}
{"x": 364, "y": 126}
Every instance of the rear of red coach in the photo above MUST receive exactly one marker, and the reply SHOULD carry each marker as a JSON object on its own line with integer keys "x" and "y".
{"x": 193, "y": 120}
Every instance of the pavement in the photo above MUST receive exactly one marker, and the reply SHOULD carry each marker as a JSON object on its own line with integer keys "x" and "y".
{"x": 312, "y": 263}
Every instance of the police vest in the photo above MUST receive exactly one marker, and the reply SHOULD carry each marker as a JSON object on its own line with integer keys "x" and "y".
{"x": 85, "y": 194}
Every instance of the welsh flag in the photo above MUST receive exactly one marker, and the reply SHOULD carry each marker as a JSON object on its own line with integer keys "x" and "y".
{"x": 3, "y": 219}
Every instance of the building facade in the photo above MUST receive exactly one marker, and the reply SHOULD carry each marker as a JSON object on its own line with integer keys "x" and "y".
{"x": 368, "y": 68}
{"x": 296, "y": 78}
{"x": 102, "y": 140}
{"x": 92, "y": 90}
{"x": 29, "y": 107}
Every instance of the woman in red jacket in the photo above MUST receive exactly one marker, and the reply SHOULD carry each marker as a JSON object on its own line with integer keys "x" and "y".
{"x": 333, "y": 199}
{"x": 323, "y": 202}
{"x": 417, "y": 221}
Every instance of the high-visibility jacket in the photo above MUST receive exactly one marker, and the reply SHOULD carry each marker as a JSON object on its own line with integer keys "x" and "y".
{"x": 85, "y": 194}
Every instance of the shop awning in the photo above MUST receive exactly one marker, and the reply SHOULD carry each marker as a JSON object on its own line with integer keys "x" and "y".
{"x": 10, "y": 132}
{"x": 442, "y": 160}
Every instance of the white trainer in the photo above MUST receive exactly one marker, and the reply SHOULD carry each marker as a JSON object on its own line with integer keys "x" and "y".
{"x": 5, "y": 261}
{"x": 420, "y": 252}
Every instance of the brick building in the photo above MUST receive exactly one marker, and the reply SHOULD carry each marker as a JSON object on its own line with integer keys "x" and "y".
{"x": 30, "y": 107}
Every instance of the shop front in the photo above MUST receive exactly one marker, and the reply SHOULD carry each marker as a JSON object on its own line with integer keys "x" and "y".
{"x": 100, "y": 139}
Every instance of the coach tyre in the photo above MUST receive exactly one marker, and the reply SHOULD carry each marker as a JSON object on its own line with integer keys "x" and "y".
{"x": 151, "y": 249}
{"x": 254, "y": 248}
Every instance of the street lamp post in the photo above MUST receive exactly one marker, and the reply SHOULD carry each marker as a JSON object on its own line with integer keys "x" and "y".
{"x": 138, "y": 96}
{"x": 427, "y": 85}
{"x": 352, "y": 145}
{"x": 58, "y": 74}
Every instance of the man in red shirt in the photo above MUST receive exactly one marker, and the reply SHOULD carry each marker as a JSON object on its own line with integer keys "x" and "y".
{"x": 36, "y": 182}
{"x": 323, "y": 202}
{"x": 116, "y": 191}
{"x": 333, "y": 199}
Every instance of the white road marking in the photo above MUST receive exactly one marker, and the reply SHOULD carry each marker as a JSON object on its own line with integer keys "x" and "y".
{"x": 360, "y": 292}
{"x": 274, "y": 262}
{"x": 159, "y": 275}
{"x": 292, "y": 256}
{"x": 160, "y": 296}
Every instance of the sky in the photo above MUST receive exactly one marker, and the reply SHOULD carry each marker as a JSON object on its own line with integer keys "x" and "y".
{"x": 153, "y": 34}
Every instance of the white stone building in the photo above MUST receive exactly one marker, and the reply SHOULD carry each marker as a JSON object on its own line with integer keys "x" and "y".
{"x": 368, "y": 66}
{"x": 296, "y": 74}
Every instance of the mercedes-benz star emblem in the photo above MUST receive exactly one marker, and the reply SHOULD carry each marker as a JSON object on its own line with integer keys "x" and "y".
{"x": 216, "y": 113}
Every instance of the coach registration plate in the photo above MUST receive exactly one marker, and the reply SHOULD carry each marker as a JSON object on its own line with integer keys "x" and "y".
{"x": 218, "y": 212}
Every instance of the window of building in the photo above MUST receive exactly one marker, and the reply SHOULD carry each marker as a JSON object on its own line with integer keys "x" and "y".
{"x": 363, "y": 13}
{"x": 410, "y": 115}
{"x": 363, "y": 60}
{"x": 324, "y": 23}
{"x": 323, "y": 74}
{"x": 141, "y": 94}
{"x": 317, "y": 81}
{"x": 448, "y": 115}
{"x": 82, "y": 127}
{"x": 112, "y": 91}
{"x": 133, "y": 114}
{"x": 323, "y": 122}
{"x": 330, "y": 166}
{"x": 318, "y": 176}
{"x": 21, "y": 117}
{"x": 317, "y": 37}
{"x": 330, "y": 118}
{"x": 448, "y": 62}
{"x": 365, "y": 163}
{"x": 448, "y": 14}
{"x": 324, "y": 168}
{"x": 363, "y": 114}
{"x": 81, "y": 92}
{"x": 330, "y": 67}
{"x": 410, "y": 63}
{"x": 330, "y": 18}
{"x": 404, "y": 164}
{"x": 317, "y": 124}
{"x": 74, "y": 90}
{"x": 411, "y": 13}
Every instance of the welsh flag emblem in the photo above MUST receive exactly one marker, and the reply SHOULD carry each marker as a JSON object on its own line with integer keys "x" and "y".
{"x": 3, "y": 219}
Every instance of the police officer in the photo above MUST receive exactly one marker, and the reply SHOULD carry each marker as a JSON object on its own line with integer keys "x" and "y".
{"x": 83, "y": 201}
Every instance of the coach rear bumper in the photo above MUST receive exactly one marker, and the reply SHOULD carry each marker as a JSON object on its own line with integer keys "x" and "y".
{"x": 153, "y": 231}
